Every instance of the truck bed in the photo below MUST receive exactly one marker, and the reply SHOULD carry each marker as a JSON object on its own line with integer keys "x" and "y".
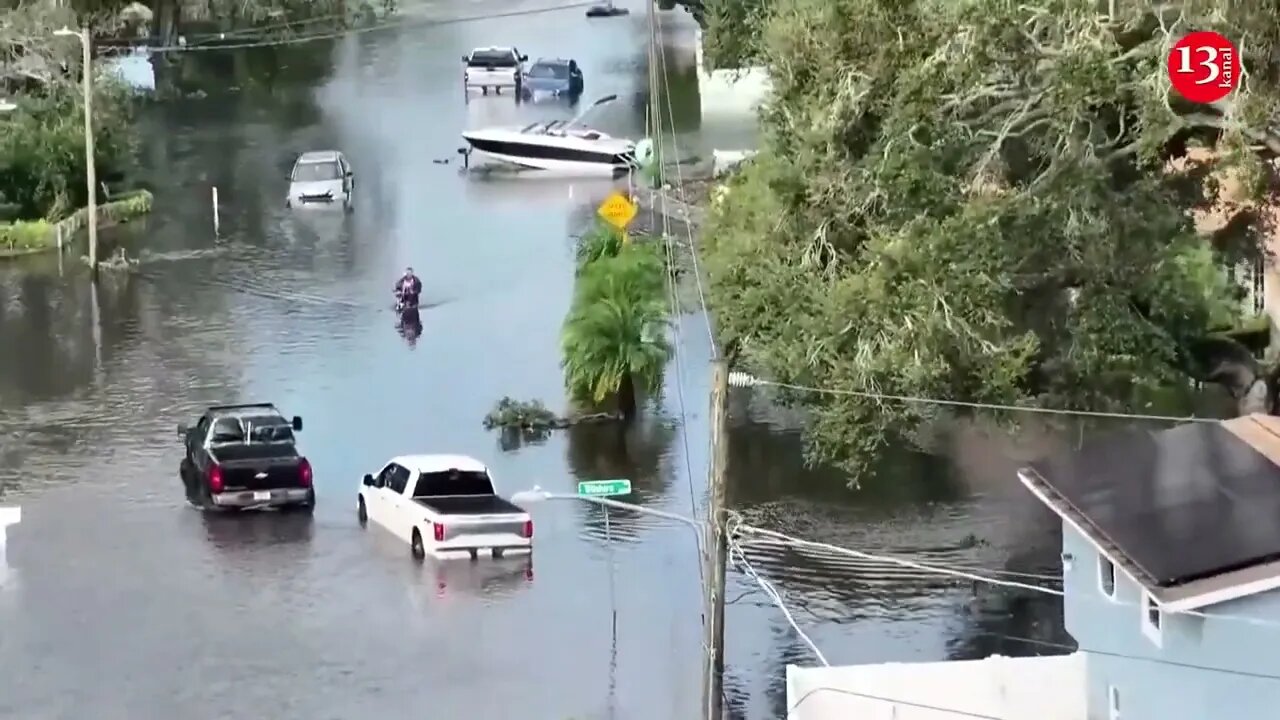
{"x": 469, "y": 505}
{"x": 259, "y": 452}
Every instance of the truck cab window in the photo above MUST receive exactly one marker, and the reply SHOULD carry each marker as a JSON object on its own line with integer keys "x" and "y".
{"x": 269, "y": 429}
{"x": 453, "y": 482}
{"x": 227, "y": 430}
{"x": 384, "y": 477}
{"x": 399, "y": 479}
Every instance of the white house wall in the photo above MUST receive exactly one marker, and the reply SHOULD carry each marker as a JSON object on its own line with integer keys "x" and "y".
{"x": 730, "y": 95}
{"x": 1168, "y": 680}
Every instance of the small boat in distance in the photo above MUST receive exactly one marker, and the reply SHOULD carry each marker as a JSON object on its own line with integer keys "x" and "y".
{"x": 556, "y": 146}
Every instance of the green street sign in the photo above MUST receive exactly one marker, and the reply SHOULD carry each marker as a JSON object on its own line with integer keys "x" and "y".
{"x": 604, "y": 488}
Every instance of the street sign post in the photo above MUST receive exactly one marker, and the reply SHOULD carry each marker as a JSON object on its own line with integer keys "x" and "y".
{"x": 608, "y": 488}
{"x": 617, "y": 210}
{"x": 604, "y": 488}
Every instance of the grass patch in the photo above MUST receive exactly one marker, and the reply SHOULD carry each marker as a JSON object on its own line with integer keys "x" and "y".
{"x": 27, "y": 236}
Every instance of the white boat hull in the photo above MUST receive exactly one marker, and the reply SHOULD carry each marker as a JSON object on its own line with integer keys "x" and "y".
{"x": 557, "y": 167}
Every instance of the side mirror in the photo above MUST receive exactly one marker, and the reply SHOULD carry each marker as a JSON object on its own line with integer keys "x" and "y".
{"x": 183, "y": 430}
{"x": 524, "y": 58}
{"x": 465, "y": 58}
{"x": 297, "y": 424}
{"x": 350, "y": 174}
{"x": 368, "y": 480}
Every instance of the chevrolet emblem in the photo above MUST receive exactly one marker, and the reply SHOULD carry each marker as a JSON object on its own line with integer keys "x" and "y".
{"x": 260, "y": 476}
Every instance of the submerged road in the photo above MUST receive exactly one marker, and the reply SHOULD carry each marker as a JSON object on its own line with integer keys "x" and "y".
{"x": 122, "y": 602}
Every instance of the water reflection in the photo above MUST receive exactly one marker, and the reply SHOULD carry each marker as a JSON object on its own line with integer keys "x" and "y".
{"x": 236, "y": 532}
{"x": 639, "y": 452}
{"x": 458, "y": 578}
{"x": 409, "y": 325}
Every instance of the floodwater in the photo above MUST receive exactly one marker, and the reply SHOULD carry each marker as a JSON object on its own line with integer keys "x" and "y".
{"x": 123, "y": 601}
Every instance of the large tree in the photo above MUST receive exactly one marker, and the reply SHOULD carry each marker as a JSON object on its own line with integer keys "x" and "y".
{"x": 985, "y": 200}
{"x": 42, "y": 161}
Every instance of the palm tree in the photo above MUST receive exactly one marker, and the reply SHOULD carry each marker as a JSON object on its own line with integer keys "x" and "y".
{"x": 614, "y": 338}
{"x": 598, "y": 242}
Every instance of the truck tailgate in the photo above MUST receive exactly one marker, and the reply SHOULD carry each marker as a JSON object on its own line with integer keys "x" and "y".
{"x": 249, "y": 468}
{"x": 491, "y": 78}
{"x": 476, "y": 515}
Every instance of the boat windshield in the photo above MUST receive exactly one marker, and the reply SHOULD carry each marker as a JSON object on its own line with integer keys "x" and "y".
{"x": 542, "y": 128}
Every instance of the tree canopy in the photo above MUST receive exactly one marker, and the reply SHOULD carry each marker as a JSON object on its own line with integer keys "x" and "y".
{"x": 42, "y": 163}
{"x": 983, "y": 200}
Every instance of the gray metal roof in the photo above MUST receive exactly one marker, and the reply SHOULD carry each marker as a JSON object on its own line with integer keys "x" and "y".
{"x": 1180, "y": 505}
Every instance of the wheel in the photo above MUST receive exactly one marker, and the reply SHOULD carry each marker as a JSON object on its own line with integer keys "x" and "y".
{"x": 416, "y": 548}
{"x": 484, "y": 91}
{"x": 362, "y": 514}
{"x": 204, "y": 497}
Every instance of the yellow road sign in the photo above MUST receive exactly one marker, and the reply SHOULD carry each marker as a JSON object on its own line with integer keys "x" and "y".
{"x": 617, "y": 210}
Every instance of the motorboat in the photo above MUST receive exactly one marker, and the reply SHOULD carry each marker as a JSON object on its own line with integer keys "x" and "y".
{"x": 557, "y": 146}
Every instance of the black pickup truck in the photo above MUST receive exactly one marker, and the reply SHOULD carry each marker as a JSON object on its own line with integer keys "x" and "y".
{"x": 245, "y": 456}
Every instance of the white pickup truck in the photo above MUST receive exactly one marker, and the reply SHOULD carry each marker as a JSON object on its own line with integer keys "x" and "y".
{"x": 443, "y": 505}
{"x": 493, "y": 67}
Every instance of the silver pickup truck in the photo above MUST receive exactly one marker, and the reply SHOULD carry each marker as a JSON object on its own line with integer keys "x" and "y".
{"x": 493, "y": 68}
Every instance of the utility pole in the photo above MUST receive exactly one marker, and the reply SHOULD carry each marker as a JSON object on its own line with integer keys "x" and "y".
{"x": 717, "y": 543}
{"x": 90, "y": 172}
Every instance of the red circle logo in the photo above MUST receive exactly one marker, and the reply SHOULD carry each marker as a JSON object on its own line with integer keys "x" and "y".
{"x": 1204, "y": 67}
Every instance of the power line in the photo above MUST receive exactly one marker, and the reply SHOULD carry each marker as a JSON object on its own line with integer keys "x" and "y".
{"x": 688, "y": 227}
{"x": 879, "y": 698}
{"x": 742, "y": 528}
{"x": 903, "y": 562}
{"x": 770, "y": 590}
{"x": 954, "y": 566}
{"x": 741, "y": 379}
{"x": 405, "y": 22}
{"x": 736, "y": 550}
{"x": 674, "y": 301}
{"x": 1141, "y": 658}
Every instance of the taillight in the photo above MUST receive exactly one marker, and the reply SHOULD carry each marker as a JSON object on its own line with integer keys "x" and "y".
{"x": 215, "y": 479}
{"x": 527, "y": 530}
{"x": 438, "y": 530}
{"x": 304, "y": 473}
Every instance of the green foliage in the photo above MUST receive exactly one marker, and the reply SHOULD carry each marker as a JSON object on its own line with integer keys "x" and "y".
{"x": 513, "y": 414}
{"x": 975, "y": 199}
{"x": 24, "y": 236}
{"x": 733, "y": 31}
{"x": 27, "y": 235}
{"x": 614, "y": 338}
{"x": 599, "y": 242}
{"x": 42, "y": 145}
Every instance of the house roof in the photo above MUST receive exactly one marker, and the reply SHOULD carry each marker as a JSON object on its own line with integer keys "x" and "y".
{"x": 1035, "y": 688}
{"x": 1190, "y": 512}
